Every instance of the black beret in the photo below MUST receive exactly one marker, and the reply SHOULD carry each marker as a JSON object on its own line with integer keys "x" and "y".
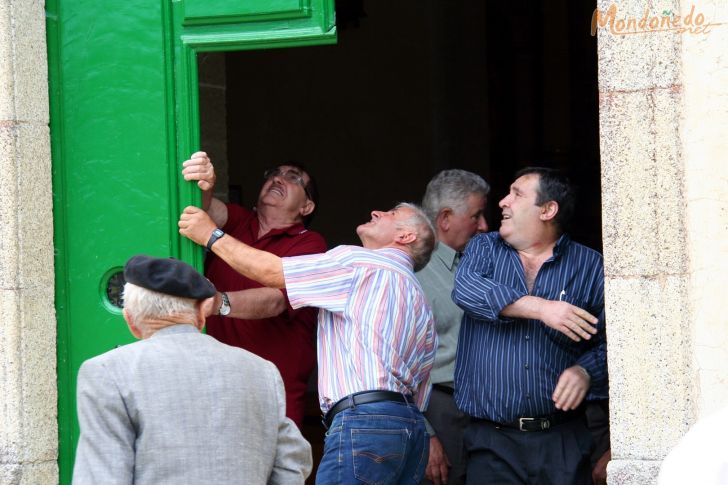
{"x": 169, "y": 276}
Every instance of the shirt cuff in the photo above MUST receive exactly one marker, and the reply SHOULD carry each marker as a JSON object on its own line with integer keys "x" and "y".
{"x": 429, "y": 428}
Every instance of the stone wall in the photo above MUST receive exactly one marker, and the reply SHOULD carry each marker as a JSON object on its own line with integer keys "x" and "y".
{"x": 28, "y": 426}
{"x": 665, "y": 220}
{"x": 704, "y": 138}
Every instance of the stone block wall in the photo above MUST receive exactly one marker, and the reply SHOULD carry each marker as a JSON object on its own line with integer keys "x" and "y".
{"x": 665, "y": 221}
{"x": 28, "y": 420}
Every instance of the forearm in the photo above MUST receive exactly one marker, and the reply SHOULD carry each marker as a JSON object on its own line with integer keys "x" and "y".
{"x": 525, "y": 307}
{"x": 477, "y": 291}
{"x": 215, "y": 208}
{"x": 261, "y": 266}
{"x": 482, "y": 298}
{"x": 256, "y": 303}
{"x": 207, "y": 196}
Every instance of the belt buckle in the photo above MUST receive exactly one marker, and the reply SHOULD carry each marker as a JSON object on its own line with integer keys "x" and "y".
{"x": 545, "y": 423}
{"x": 521, "y": 421}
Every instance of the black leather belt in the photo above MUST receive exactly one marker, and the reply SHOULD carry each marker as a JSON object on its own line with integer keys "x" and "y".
{"x": 544, "y": 423}
{"x": 364, "y": 397}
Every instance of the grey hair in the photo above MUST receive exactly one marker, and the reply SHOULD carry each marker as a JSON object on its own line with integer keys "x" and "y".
{"x": 143, "y": 304}
{"x": 421, "y": 249}
{"x": 450, "y": 189}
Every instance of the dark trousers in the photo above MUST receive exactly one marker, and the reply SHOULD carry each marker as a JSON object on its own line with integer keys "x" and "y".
{"x": 559, "y": 456}
{"x": 449, "y": 424}
{"x": 597, "y": 420}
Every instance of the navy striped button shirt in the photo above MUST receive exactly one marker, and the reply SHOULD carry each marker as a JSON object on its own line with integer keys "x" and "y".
{"x": 507, "y": 368}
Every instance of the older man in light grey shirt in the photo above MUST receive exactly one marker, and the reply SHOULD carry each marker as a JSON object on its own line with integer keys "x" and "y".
{"x": 178, "y": 406}
{"x": 454, "y": 201}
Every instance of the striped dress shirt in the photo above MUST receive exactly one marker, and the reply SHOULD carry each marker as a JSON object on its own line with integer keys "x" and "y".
{"x": 376, "y": 330}
{"x": 507, "y": 368}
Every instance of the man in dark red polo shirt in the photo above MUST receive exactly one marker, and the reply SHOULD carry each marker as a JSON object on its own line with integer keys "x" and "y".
{"x": 249, "y": 315}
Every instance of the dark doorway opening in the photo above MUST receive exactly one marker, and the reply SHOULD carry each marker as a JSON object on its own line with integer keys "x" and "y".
{"x": 412, "y": 88}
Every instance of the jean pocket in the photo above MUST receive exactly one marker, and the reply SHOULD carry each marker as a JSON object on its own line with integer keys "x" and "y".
{"x": 379, "y": 454}
{"x": 333, "y": 430}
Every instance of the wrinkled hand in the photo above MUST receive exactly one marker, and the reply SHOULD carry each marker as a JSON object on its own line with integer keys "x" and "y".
{"x": 209, "y": 307}
{"x": 568, "y": 319}
{"x": 199, "y": 167}
{"x": 437, "y": 463}
{"x": 196, "y": 225}
{"x": 571, "y": 388}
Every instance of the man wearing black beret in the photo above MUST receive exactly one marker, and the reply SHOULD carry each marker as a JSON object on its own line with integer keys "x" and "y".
{"x": 179, "y": 406}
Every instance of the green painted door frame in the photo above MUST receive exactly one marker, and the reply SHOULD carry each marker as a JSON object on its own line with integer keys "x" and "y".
{"x": 124, "y": 114}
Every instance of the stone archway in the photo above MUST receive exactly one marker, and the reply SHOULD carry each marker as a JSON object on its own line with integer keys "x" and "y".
{"x": 663, "y": 120}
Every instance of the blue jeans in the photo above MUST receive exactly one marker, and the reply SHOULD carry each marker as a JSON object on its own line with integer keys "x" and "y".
{"x": 377, "y": 443}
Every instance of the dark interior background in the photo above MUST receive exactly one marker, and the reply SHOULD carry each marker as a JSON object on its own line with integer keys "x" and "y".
{"x": 412, "y": 88}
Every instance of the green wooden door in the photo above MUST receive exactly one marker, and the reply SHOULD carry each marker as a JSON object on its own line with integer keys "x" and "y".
{"x": 124, "y": 114}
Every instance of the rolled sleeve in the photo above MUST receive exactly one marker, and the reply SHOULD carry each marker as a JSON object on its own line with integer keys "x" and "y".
{"x": 317, "y": 280}
{"x": 475, "y": 291}
{"x": 594, "y": 361}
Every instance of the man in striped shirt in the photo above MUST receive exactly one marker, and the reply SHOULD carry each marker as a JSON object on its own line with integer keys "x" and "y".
{"x": 532, "y": 344}
{"x": 376, "y": 338}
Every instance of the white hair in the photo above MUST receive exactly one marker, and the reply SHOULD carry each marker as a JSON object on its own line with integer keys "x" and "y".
{"x": 450, "y": 189}
{"x": 425, "y": 236}
{"x": 143, "y": 304}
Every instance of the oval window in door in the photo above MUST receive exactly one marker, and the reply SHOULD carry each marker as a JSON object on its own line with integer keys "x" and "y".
{"x": 112, "y": 288}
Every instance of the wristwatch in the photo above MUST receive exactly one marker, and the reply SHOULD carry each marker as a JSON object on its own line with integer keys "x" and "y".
{"x": 224, "y": 309}
{"x": 216, "y": 234}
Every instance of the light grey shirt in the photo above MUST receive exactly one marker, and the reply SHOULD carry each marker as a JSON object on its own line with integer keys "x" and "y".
{"x": 183, "y": 408}
{"x": 437, "y": 280}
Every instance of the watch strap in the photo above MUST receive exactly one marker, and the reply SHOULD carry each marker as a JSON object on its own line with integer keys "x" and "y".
{"x": 216, "y": 234}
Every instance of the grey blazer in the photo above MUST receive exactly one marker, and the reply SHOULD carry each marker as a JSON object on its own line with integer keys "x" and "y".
{"x": 182, "y": 408}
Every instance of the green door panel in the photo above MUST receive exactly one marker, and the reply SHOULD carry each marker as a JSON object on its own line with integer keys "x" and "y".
{"x": 214, "y": 11}
{"x": 124, "y": 114}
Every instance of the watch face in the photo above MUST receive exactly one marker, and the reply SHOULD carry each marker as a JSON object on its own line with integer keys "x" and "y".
{"x": 225, "y": 305}
{"x": 216, "y": 234}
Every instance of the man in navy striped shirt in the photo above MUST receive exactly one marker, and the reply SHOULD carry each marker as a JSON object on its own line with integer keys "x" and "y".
{"x": 532, "y": 344}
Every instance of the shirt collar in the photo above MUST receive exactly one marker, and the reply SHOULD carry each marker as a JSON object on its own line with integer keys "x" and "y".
{"x": 176, "y": 328}
{"x": 562, "y": 243}
{"x": 446, "y": 254}
{"x": 399, "y": 256}
{"x": 293, "y": 230}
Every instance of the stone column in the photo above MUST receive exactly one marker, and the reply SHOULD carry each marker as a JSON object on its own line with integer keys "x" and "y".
{"x": 663, "y": 124}
{"x": 28, "y": 421}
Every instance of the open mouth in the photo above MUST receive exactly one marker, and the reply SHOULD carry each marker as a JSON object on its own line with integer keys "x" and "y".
{"x": 277, "y": 190}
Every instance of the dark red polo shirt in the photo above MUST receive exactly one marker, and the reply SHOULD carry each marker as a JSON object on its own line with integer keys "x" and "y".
{"x": 288, "y": 340}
